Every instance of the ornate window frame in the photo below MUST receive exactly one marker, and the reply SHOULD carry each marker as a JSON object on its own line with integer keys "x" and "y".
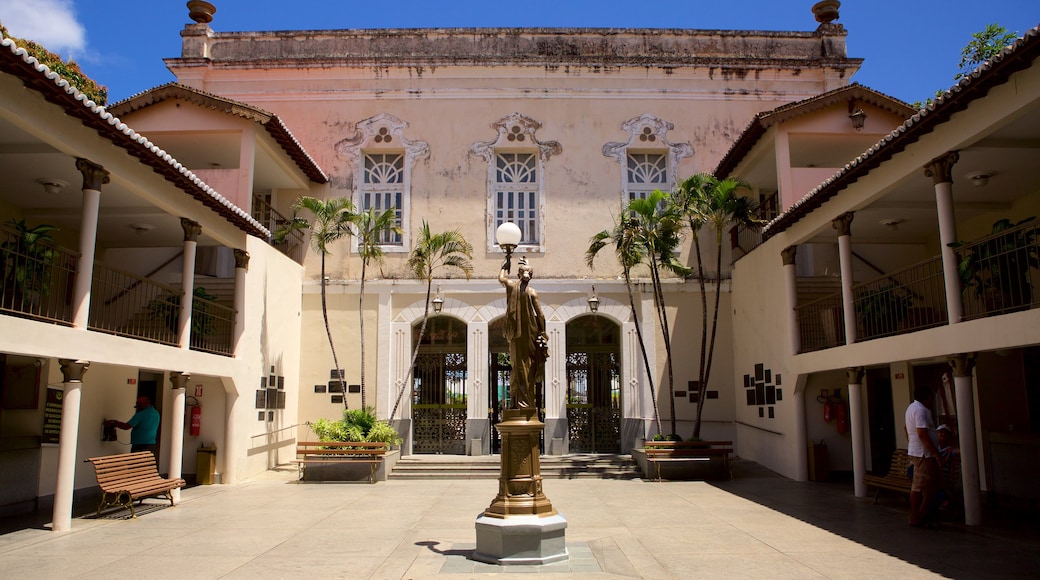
{"x": 515, "y": 134}
{"x": 384, "y": 134}
{"x": 646, "y": 134}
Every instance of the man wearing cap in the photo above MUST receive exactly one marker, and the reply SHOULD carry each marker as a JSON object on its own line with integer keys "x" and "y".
{"x": 144, "y": 427}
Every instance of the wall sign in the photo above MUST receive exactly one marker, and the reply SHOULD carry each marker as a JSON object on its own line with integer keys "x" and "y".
{"x": 52, "y": 415}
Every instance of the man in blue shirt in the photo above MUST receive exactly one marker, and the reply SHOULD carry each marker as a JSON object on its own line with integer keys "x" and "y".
{"x": 144, "y": 427}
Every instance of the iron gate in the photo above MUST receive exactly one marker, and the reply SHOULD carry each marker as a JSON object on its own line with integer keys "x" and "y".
{"x": 498, "y": 399}
{"x": 593, "y": 402}
{"x": 439, "y": 403}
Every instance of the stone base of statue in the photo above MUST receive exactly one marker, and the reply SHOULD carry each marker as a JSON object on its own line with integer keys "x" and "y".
{"x": 520, "y": 526}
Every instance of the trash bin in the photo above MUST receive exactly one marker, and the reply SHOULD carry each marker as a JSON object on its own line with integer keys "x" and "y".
{"x": 819, "y": 467}
{"x": 206, "y": 464}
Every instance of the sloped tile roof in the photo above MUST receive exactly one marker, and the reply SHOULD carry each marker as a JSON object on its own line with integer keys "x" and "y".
{"x": 996, "y": 71}
{"x": 268, "y": 120}
{"x": 16, "y": 61}
{"x": 763, "y": 121}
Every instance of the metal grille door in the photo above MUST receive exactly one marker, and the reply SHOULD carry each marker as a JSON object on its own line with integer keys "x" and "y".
{"x": 439, "y": 405}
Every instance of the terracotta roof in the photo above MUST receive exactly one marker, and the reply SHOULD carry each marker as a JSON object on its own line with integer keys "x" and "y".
{"x": 993, "y": 72}
{"x": 38, "y": 77}
{"x": 268, "y": 120}
{"x": 763, "y": 121}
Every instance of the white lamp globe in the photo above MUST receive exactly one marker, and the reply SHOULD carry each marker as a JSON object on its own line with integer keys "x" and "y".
{"x": 508, "y": 235}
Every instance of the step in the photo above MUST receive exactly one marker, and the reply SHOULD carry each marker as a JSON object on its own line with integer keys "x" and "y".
{"x": 488, "y": 467}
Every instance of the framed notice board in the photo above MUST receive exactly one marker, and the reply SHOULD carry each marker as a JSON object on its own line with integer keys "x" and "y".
{"x": 52, "y": 415}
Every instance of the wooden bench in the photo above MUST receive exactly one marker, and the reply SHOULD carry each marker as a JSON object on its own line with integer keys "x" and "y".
{"x": 372, "y": 453}
{"x": 660, "y": 452}
{"x": 129, "y": 477}
{"x": 896, "y": 479}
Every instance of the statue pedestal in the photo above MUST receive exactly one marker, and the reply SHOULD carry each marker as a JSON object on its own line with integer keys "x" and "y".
{"x": 520, "y": 526}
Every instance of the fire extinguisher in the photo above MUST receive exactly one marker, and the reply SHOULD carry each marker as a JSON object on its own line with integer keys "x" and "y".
{"x": 196, "y": 420}
{"x": 843, "y": 418}
{"x": 828, "y": 404}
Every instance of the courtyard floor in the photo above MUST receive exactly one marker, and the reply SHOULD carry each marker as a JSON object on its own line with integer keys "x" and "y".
{"x": 759, "y": 525}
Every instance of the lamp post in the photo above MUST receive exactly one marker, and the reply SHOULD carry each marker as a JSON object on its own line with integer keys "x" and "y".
{"x": 508, "y": 236}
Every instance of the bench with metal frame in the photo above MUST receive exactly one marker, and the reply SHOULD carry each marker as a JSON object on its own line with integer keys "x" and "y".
{"x": 660, "y": 452}
{"x": 131, "y": 477}
{"x": 897, "y": 479}
{"x": 311, "y": 452}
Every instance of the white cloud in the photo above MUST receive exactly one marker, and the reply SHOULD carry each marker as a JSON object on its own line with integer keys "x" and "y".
{"x": 51, "y": 23}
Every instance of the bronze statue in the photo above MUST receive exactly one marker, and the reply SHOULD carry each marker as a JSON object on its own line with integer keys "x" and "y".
{"x": 525, "y": 331}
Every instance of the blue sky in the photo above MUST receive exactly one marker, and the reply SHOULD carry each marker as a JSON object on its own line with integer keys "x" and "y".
{"x": 910, "y": 49}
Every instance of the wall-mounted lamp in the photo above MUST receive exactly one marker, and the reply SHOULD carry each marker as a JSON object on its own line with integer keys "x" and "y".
{"x": 508, "y": 236}
{"x": 892, "y": 223}
{"x": 142, "y": 229}
{"x": 980, "y": 178}
{"x": 858, "y": 117}
{"x": 52, "y": 186}
{"x": 593, "y": 301}
{"x": 438, "y": 302}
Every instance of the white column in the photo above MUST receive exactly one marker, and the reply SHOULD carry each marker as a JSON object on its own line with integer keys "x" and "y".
{"x": 843, "y": 224}
{"x": 477, "y": 371}
{"x": 191, "y": 237}
{"x": 556, "y": 371}
{"x": 178, "y": 381}
{"x": 232, "y": 444}
{"x": 239, "y": 327}
{"x": 73, "y": 370}
{"x": 940, "y": 170}
{"x": 791, "y": 278}
{"x": 856, "y": 426}
{"x": 962, "y": 385}
{"x": 94, "y": 176}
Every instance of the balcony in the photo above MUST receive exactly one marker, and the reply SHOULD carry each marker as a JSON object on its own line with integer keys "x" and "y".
{"x": 999, "y": 274}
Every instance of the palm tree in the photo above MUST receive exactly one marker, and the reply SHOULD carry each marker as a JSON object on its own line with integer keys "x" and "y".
{"x": 371, "y": 229}
{"x": 708, "y": 201}
{"x": 629, "y": 254}
{"x": 332, "y": 219}
{"x": 431, "y": 252}
{"x": 656, "y": 227}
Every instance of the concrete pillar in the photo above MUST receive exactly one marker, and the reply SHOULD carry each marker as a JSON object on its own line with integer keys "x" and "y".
{"x": 940, "y": 170}
{"x": 179, "y": 382}
{"x": 239, "y": 327}
{"x": 94, "y": 176}
{"x": 856, "y": 426}
{"x": 478, "y": 432}
{"x": 962, "y": 365}
{"x": 232, "y": 444}
{"x": 191, "y": 242}
{"x": 73, "y": 371}
{"x": 791, "y": 278}
{"x": 843, "y": 224}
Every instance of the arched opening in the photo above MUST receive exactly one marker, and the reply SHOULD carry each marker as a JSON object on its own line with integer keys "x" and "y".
{"x": 499, "y": 367}
{"x": 439, "y": 382}
{"x": 594, "y": 385}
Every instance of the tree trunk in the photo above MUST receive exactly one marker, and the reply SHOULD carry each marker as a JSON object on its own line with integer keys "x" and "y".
{"x": 662, "y": 315}
{"x": 361, "y": 315}
{"x": 415, "y": 351}
{"x": 328, "y": 330}
{"x": 642, "y": 347}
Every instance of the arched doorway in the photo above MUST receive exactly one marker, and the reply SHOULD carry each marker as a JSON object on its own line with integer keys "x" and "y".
{"x": 594, "y": 385}
{"x": 499, "y": 367}
{"x": 439, "y": 382}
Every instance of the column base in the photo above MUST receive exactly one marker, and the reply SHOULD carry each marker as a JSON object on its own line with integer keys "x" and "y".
{"x": 519, "y": 540}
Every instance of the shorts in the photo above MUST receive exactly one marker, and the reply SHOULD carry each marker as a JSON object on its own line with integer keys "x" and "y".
{"x": 927, "y": 474}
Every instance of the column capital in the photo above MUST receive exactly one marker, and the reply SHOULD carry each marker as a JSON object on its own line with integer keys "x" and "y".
{"x": 788, "y": 254}
{"x": 962, "y": 364}
{"x": 843, "y": 223}
{"x": 192, "y": 230}
{"x": 94, "y": 175}
{"x": 180, "y": 379}
{"x": 73, "y": 370}
{"x": 940, "y": 169}
{"x": 855, "y": 375}
{"x": 242, "y": 259}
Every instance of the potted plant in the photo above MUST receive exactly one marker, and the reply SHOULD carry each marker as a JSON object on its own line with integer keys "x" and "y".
{"x": 28, "y": 254}
{"x": 996, "y": 269}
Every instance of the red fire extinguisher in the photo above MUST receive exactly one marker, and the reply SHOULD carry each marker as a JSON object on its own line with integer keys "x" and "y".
{"x": 843, "y": 418}
{"x": 196, "y": 420}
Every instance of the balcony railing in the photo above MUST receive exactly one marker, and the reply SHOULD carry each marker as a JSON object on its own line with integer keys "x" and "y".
{"x": 913, "y": 298}
{"x": 1001, "y": 272}
{"x": 294, "y": 245}
{"x": 129, "y": 305}
{"x": 211, "y": 326}
{"x": 821, "y": 323}
{"x": 37, "y": 278}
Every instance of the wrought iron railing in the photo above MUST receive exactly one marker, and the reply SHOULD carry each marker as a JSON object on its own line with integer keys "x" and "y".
{"x": 913, "y": 298}
{"x": 211, "y": 326}
{"x": 144, "y": 309}
{"x": 821, "y": 324}
{"x": 292, "y": 243}
{"x": 744, "y": 238}
{"x": 37, "y": 278}
{"x": 1001, "y": 272}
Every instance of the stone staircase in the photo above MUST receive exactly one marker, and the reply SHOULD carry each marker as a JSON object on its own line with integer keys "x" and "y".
{"x": 574, "y": 466}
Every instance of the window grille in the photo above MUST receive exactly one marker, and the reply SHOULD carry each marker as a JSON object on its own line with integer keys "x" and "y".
{"x": 382, "y": 189}
{"x": 645, "y": 173}
{"x": 516, "y": 193}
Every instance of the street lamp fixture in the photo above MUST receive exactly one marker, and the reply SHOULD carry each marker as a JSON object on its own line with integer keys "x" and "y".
{"x": 593, "y": 301}
{"x": 508, "y": 237}
{"x": 438, "y": 302}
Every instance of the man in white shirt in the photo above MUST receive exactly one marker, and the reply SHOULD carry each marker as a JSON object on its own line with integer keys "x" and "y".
{"x": 922, "y": 447}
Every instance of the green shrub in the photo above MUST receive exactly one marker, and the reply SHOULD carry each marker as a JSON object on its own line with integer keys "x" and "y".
{"x": 383, "y": 432}
{"x": 362, "y": 418}
{"x": 69, "y": 71}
